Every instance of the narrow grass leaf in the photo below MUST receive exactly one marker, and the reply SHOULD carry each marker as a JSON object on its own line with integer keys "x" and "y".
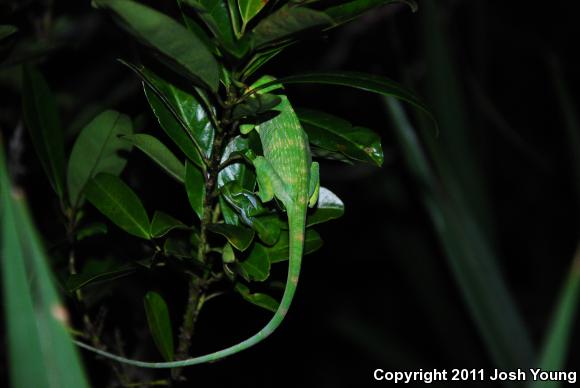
{"x": 558, "y": 337}
{"x": 40, "y": 352}
{"x": 469, "y": 256}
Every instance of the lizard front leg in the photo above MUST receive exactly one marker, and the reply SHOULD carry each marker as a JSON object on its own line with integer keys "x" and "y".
{"x": 269, "y": 182}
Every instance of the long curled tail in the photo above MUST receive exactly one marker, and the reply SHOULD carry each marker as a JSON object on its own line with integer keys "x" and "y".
{"x": 296, "y": 223}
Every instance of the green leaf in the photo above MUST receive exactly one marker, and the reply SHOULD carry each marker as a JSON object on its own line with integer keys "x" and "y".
{"x": 345, "y": 12}
{"x": 183, "y": 49}
{"x": 286, "y": 22}
{"x": 230, "y": 215}
{"x": 159, "y": 153}
{"x": 112, "y": 197}
{"x": 178, "y": 247}
{"x": 260, "y": 59}
{"x": 328, "y": 207}
{"x": 558, "y": 337}
{"x": 196, "y": 28}
{"x": 321, "y": 153}
{"x": 239, "y": 171}
{"x": 98, "y": 148}
{"x": 240, "y": 237}
{"x": 261, "y": 300}
{"x": 92, "y": 229}
{"x": 235, "y": 17}
{"x": 6, "y": 30}
{"x": 250, "y": 8}
{"x": 216, "y": 15}
{"x": 361, "y": 81}
{"x": 255, "y": 105}
{"x": 250, "y": 210}
{"x": 280, "y": 251}
{"x": 98, "y": 271}
{"x": 195, "y": 187}
{"x": 335, "y": 134}
{"x": 159, "y": 323}
{"x": 43, "y": 122}
{"x": 245, "y": 202}
{"x": 163, "y": 223}
{"x": 228, "y": 255}
{"x": 39, "y": 350}
{"x": 267, "y": 227}
{"x": 181, "y": 115}
{"x": 256, "y": 266}
{"x": 172, "y": 127}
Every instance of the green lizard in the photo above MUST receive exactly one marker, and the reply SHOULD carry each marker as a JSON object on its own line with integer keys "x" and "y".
{"x": 286, "y": 172}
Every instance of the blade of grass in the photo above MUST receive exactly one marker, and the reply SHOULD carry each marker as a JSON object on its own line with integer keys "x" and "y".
{"x": 458, "y": 139}
{"x": 557, "y": 341}
{"x": 468, "y": 253}
{"x": 41, "y": 353}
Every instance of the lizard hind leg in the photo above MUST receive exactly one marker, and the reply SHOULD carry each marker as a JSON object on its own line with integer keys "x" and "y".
{"x": 314, "y": 184}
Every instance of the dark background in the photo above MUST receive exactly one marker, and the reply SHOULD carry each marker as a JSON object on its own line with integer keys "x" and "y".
{"x": 380, "y": 293}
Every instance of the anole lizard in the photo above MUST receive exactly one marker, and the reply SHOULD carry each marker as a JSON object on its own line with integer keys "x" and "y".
{"x": 286, "y": 172}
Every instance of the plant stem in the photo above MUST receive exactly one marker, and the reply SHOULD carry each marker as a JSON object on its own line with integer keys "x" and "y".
{"x": 198, "y": 285}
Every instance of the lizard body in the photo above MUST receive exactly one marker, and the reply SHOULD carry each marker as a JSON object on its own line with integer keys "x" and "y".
{"x": 285, "y": 172}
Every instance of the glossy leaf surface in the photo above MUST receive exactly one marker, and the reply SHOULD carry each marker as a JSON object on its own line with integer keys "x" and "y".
{"x": 279, "y": 252}
{"x": 256, "y": 266}
{"x": 259, "y": 299}
{"x": 335, "y": 134}
{"x": 239, "y": 172}
{"x": 195, "y": 187}
{"x": 328, "y": 207}
{"x": 250, "y": 8}
{"x": 119, "y": 203}
{"x": 239, "y": 236}
{"x": 181, "y": 114}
